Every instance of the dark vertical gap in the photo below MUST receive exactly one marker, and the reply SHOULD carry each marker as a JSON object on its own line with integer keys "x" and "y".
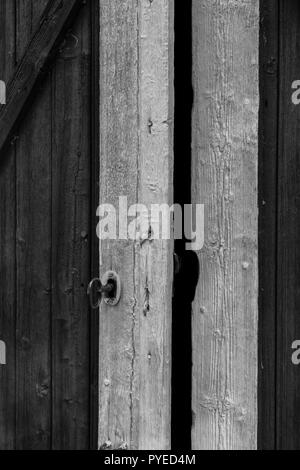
{"x": 94, "y": 242}
{"x": 181, "y": 329}
{"x": 269, "y": 78}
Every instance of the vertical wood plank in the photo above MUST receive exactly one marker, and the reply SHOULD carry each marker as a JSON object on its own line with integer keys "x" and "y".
{"x": 33, "y": 383}
{"x": 268, "y": 167}
{"x": 7, "y": 243}
{"x": 118, "y": 176}
{"x": 288, "y": 323}
{"x": 95, "y": 164}
{"x": 224, "y": 178}
{"x": 154, "y": 266}
{"x": 136, "y": 121}
{"x": 71, "y": 238}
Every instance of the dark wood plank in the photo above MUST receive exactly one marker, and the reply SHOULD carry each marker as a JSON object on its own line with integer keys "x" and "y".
{"x": 71, "y": 238}
{"x": 33, "y": 382}
{"x": 28, "y": 16}
{"x": 7, "y": 243}
{"x": 53, "y": 405}
{"x": 288, "y": 282}
{"x": 43, "y": 45}
{"x": 269, "y": 43}
{"x": 95, "y": 191}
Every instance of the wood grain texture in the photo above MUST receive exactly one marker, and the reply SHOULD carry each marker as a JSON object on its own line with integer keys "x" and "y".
{"x": 7, "y": 243}
{"x": 268, "y": 168}
{"x": 33, "y": 256}
{"x": 53, "y": 23}
{"x": 288, "y": 281}
{"x": 95, "y": 180}
{"x": 71, "y": 238}
{"x": 45, "y": 193}
{"x": 136, "y": 121}
{"x": 224, "y": 178}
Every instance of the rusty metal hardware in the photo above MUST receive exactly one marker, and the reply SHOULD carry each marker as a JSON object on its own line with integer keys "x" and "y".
{"x": 107, "y": 289}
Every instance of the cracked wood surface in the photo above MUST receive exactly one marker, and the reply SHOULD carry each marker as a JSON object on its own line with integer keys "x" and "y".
{"x": 224, "y": 178}
{"x": 136, "y": 121}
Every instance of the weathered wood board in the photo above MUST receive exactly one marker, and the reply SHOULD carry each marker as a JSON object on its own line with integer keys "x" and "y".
{"x": 224, "y": 178}
{"x": 7, "y": 243}
{"x": 268, "y": 172}
{"x": 50, "y": 26}
{"x": 288, "y": 234}
{"x": 33, "y": 277}
{"x": 136, "y": 161}
{"x": 45, "y": 240}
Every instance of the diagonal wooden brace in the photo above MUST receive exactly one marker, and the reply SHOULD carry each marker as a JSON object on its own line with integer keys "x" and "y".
{"x": 57, "y": 17}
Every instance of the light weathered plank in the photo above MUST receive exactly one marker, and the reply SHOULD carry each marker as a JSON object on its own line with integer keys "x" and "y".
{"x": 136, "y": 121}
{"x": 224, "y": 178}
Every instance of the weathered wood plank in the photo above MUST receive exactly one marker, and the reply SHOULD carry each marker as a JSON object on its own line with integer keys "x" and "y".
{"x": 52, "y": 406}
{"x": 288, "y": 280}
{"x": 71, "y": 238}
{"x": 41, "y": 49}
{"x": 33, "y": 255}
{"x": 7, "y": 243}
{"x": 224, "y": 178}
{"x": 95, "y": 164}
{"x": 136, "y": 121}
{"x": 268, "y": 155}
{"x": 28, "y": 16}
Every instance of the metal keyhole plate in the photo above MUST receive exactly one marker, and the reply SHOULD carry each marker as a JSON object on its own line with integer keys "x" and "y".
{"x": 111, "y": 277}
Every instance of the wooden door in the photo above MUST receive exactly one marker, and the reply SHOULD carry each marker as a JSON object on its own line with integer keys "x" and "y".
{"x": 49, "y": 194}
{"x": 46, "y": 236}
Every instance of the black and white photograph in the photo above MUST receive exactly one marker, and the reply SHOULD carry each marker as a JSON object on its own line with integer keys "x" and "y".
{"x": 149, "y": 227}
